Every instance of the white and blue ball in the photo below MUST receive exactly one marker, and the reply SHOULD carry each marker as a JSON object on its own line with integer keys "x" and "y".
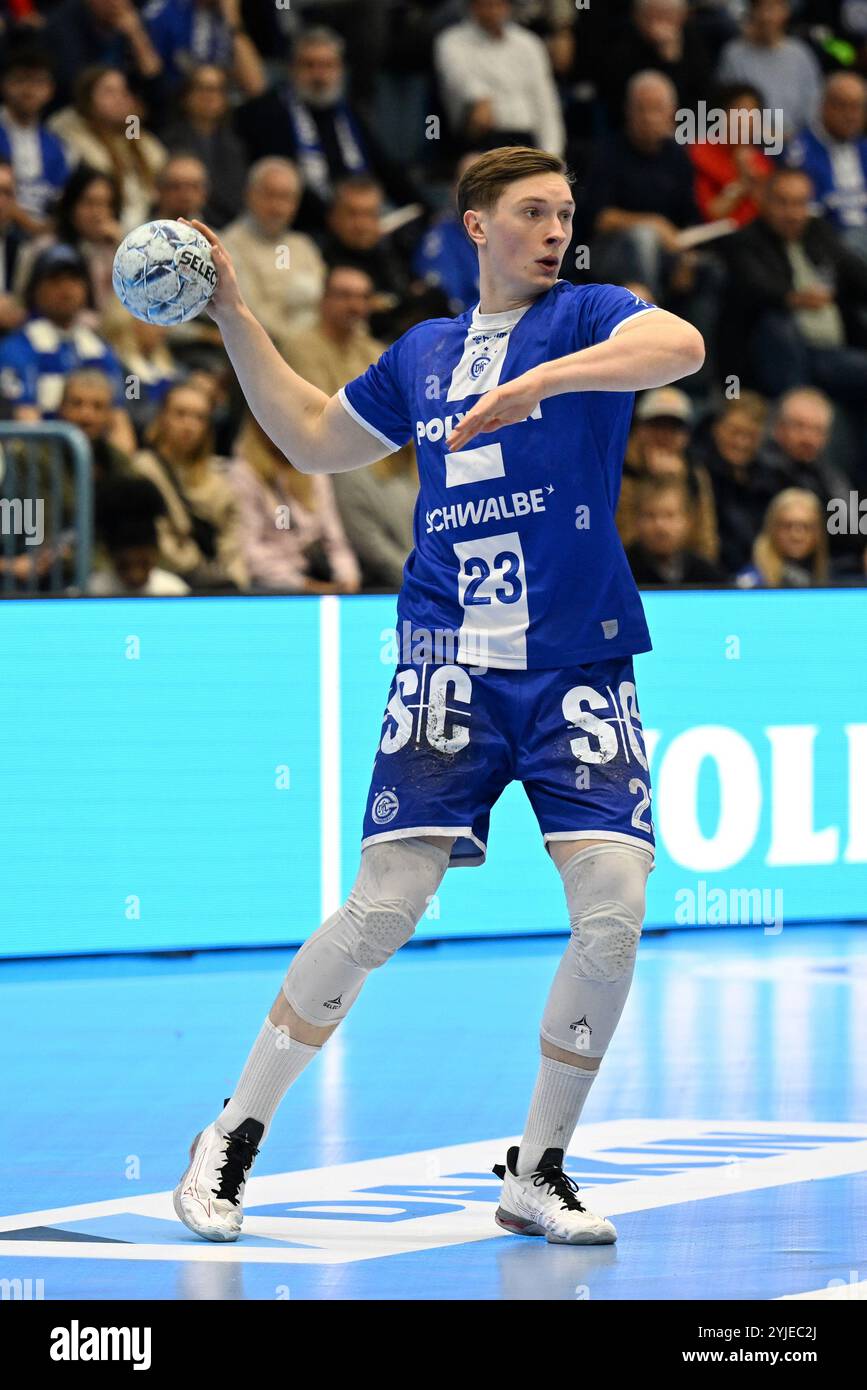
{"x": 164, "y": 273}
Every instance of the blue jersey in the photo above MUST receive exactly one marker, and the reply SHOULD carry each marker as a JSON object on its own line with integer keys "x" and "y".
{"x": 516, "y": 551}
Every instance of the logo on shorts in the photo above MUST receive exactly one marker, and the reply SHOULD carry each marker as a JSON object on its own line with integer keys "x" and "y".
{"x": 582, "y": 1031}
{"x": 385, "y": 807}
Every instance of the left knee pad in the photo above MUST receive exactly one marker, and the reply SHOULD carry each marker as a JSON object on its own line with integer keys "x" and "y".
{"x": 605, "y": 891}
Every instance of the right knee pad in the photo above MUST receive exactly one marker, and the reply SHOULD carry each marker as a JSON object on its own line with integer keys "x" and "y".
{"x": 395, "y": 883}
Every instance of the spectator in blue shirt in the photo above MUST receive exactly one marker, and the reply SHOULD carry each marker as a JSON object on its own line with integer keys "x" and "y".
{"x": 36, "y": 359}
{"x": 187, "y": 33}
{"x": 446, "y": 257}
{"x": 35, "y": 153}
{"x": 110, "y": 33}
{"x": 833, "y": 151}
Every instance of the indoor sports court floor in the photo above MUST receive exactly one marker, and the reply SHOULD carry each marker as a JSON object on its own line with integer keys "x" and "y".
{"x": 726, "y": 1135}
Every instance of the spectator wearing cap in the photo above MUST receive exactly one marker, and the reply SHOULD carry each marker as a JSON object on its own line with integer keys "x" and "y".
{"x": 126, "y": 564}
{"x": 35, "y": 152}
{"x": 790, "y": 314}
{"x": 660, "y": 553}
{"x": 189, "y": 32}
{"x": 307, "y": 118}
{"x": 200, "y": 536}
{"x": 729, "y": 174}
{"x": 496, "y": 81}
{"x": 743, "y": 482}
{"x": 657, "y": 448}
{"x": 55, "y": 340}
{"x": 832, "y": 150}
{"x": 791, "y": 550}
{"x": 446, "y": 257}
{"x": 96, "y": 130}
{"x": 783, "y": 68}
{"x": 85, "y": 33}
{"x": 281, "y": 272}
{"x": 203, "y": 129}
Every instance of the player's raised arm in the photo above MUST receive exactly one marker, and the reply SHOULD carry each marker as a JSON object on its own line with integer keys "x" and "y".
{"x": 312, "y": 429}
{"x": 652, "y": 349}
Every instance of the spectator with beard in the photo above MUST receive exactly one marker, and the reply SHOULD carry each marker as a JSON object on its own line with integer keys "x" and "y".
{"x": 308, "y": 119}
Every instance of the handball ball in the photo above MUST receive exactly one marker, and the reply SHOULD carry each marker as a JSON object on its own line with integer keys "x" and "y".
{"x": 163, "y": 272}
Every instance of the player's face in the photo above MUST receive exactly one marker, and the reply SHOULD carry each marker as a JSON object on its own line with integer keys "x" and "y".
{"x": 528, "y": 231}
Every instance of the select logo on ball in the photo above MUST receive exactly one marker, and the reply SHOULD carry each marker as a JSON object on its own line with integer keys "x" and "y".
{"x": 163, "y": 272}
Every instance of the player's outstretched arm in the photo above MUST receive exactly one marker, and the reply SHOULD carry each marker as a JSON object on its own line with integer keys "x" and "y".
{"x": 312, "y": 429}
{"x": 651, "y": 350}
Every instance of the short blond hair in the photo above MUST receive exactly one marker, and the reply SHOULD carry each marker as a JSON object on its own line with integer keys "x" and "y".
{"x": 482, "y": 183}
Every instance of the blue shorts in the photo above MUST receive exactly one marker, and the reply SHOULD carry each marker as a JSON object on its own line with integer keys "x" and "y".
{"x": 454, "y": 736}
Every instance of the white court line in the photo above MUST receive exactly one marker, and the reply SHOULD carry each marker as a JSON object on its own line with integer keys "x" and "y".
{"x": 835, "y": 1292}
{"x": 346, "y": 1240}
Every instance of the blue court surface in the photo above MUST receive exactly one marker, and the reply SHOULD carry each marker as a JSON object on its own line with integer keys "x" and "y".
{"x": 726, "y": 1135}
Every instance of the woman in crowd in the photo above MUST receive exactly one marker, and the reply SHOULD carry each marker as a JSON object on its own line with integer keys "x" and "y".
{"x": 791, "y": 551}
{"x": 292, "y": 537}
{"x": 96, "y": 131}
{"x": 729, "y": 173}
{"x": 204, "y": 129}
{"x": 86, "y": 217}
{"x": 200, "y": 536}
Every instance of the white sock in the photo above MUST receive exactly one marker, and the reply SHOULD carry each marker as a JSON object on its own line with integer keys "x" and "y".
{"x": 558, "y": 1099}
{"x": 274, "y": 1062}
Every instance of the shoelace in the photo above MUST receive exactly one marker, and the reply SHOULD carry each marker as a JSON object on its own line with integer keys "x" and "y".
{"x": 561, "y": 1185}
{"x": 240, "y": 1153}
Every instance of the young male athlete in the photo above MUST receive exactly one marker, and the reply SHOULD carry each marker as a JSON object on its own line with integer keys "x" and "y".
{"x": 519, "y": 411}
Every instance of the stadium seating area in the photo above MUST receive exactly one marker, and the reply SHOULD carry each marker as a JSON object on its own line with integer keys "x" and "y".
{"x": 720, "y": 162}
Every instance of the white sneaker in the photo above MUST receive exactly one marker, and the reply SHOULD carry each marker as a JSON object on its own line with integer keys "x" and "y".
{"x": 208, "y": 1198}
{"x": 544, "y": 1204}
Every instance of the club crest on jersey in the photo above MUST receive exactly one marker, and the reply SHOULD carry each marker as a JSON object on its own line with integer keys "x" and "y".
{"x": 385, "y": 806}
{"x": 479, "y": 366}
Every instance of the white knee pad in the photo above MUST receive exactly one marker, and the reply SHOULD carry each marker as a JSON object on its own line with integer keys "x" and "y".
{"x": 605, "y": 890}
{"x": 395, "y": 883}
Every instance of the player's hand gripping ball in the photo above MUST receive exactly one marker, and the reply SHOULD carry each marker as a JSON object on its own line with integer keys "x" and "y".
{"x": 164, "y": 273}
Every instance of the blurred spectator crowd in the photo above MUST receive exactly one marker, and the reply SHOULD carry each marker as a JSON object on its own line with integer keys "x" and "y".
{"x": 324, "y": 140}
